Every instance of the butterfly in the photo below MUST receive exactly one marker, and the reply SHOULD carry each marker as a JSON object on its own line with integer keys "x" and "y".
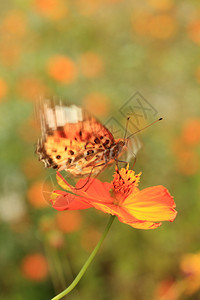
{"x": 75, "y": 141}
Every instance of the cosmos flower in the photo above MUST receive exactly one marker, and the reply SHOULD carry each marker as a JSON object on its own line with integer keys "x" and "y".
{"x": 190, "y": 266}
{"x": 143, "y": 209}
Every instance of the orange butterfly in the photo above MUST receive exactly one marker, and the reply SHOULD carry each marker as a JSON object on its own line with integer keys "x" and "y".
{"x": 75, "y": 141}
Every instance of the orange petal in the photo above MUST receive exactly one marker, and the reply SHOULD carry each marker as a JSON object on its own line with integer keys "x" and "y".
{"x": 116, "y": 210}
{"x": 144, "y": 225}
{"x": 95, "y": 189}
{"x": 67, "y": 201}
{"x": 107, "y": 208}
{"x": 54, "y": 195}
{"x": 151, "y": 204}
{"x": 126, "y": 218}
{"x": 62, "y": 182}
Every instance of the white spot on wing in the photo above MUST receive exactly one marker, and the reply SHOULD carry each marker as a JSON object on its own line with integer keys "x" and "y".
{"x": 60, "y": 115}
{"x": 73, "y": 114}
{"x": 50, "y": 117}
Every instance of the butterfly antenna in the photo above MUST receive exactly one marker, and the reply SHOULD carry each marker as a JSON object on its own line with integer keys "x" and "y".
{"x": 144, "y": 127}
{"x": 127, "y": 120}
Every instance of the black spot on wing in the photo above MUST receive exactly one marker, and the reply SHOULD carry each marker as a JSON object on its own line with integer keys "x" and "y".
{"x": 106, "y": 142}
{"x": 96, "y": 140}
{"x": 90, "y": 152}
{"x": 71, "y": 152}
{"x": 69, "y": 160}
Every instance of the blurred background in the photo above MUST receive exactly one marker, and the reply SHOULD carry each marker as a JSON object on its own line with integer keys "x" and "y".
{"x": 116, "y": 58}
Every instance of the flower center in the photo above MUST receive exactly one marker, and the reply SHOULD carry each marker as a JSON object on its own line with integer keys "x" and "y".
{"x": 124, "y": 183}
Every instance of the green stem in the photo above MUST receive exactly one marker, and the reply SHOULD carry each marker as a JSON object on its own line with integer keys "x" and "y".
{"x": 87, "y": 263}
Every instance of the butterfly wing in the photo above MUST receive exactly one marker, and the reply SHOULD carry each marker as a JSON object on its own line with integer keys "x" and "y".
{"x": 133, "y": 146}
{"x": 71, "y": 139}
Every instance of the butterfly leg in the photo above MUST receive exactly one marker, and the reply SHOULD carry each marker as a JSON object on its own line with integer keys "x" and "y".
{"x": 134, "y": 161}
{"x": 104, "y": 164}
{"x": 121, "y": 161}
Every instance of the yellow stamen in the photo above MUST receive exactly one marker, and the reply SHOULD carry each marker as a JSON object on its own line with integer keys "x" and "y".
{"x": 124, "y": 183}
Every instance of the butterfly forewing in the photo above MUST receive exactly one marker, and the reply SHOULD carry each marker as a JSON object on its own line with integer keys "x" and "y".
{"x": 72, "y": 139}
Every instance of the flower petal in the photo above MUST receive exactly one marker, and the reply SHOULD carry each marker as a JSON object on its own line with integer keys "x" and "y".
{"x": 116, "y": 210}
{"x": 62, "y": 182}
{"x": 145, "y": 225}
{"x": 151, "y": 204}
{"x": 141, "y": 224}
{"x": 95, "y": 189}
{"x": 67, "y": 201}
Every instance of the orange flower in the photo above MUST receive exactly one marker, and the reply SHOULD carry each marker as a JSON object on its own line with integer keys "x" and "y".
{"x": 62, "y": 68}
{"x": 185, "y": 147}
{"x": 191, "y": 132}
{"x": 167, "y": 289}
{"x": 52, "y": 9}
{"x": 190, "y": 265}
{"x": 140, "y": 209}
{"x": 3, "y": 88}
{"x": 161, "y": 5}
{"x": 162, "y": 26}
{"x": 35, "y": 196}
{"x": 14, "y": 24}
{"x": 194, "y": 31}
{"x": 35, "y": 267}
{"x": 69, "y": 221}
{"x": 188, "y": 162}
